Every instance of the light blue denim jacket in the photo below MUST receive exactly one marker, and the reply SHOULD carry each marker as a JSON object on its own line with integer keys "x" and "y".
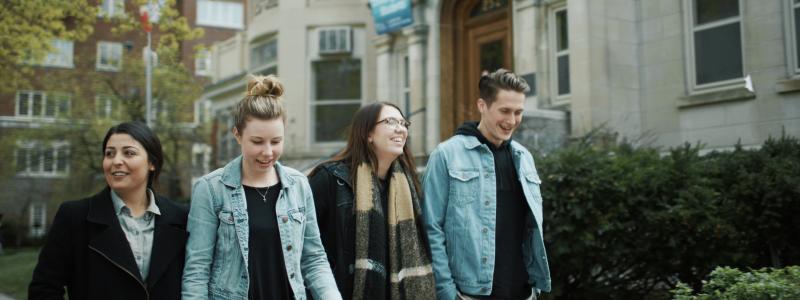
{"x": 217, "y": 250}
{"x": 460, "y": 216}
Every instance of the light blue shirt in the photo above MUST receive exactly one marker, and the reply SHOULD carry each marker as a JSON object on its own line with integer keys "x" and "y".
{"x": 138, "y": 230}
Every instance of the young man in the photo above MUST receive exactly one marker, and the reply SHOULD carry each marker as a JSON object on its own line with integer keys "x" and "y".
{"x": 483, "y": 207}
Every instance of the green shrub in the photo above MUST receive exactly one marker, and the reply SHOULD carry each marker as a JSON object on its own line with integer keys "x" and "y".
{"x": 730, "y": 283}
{"x": 623, "y": 222}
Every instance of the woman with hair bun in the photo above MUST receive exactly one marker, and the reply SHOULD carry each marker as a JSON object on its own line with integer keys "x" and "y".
{"x": 252, "y": 224}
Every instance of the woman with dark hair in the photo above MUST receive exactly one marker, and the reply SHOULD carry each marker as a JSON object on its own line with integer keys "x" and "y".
{"x": 368, "y": 206}
{"x": 122, "y": 243}
{"x": 253, "y": 226}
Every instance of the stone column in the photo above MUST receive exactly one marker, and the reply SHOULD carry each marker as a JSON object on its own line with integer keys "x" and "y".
{"x": 417, "y": 36}
{"x": 383, "y": 70}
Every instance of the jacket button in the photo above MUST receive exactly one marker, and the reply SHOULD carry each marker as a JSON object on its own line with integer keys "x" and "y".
{"x": 291, "y": 276}
{"x": 485, "y": 230}
{"x": 486, "y": 203}
{"x": 289, "y": 248}
{"x": 285, "y": 219}
{"x": 483, "y": 260}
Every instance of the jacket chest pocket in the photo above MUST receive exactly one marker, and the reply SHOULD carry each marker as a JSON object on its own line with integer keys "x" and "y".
{"x": 533, "y": 182}
{"x": 464, "y": 186}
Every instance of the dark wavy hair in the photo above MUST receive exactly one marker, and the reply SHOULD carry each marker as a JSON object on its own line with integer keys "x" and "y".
{"x": 149, "y": 140}
{"x": 360, "y": 150}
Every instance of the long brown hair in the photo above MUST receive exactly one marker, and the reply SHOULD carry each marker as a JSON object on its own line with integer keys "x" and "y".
{"x": 359, "y": 149}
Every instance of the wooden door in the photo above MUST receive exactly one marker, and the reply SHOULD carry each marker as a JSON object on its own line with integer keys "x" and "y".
{"x": 481, "y": 32}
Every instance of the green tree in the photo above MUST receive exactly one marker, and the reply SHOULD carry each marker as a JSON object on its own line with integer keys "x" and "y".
{"x": 730, "y": 283}
{"x": 27, "y": 28}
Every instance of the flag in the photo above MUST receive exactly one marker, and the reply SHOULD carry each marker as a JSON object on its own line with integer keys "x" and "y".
{"x": 145, "y": 19}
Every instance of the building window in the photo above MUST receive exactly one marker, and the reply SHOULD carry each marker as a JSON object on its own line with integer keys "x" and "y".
{"x": 105, "y": 105}
{"x": 38, "y": 219}
{"x": 201, "y": 111}
{"x": 559, "y": 58}
{"x": 405, "y": 89}
{"x": 715, "y": 42}
{"x": 109, "y": 56}
{"x": 227, "y": 148}
{"x": 42, "y": 159}
{"x": 38, "y": 104}
{"x": 201, "y": 157}
{"x": 336, "y": 96}
{"x": 223, "y": 14}
{"x": 202, "y": 63}
{"x": 111, "y": 8}
{"x": 793, "y": 37}
{"x": 264, "y": 57}
{"x": 61, "y": 55}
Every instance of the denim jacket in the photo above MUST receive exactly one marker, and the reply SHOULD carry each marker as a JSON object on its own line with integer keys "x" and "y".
{"x": 217, "y": 250}
{"x": 460, "y": 213}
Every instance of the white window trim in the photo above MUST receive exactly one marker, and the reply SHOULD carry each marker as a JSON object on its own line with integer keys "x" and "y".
{"x": 37, "y": 232}
{"x": 554, "y": 54}
{"x": 204, "y": 56}
{"x": 793, "y": 71}
{"x": 313, "y": 103}
{"x": 262, "y": 67}
{"x": 690, "y": 29}
{"x": 200, "y": 21}
{"x": 46, "y": 97}
{"x": 117, "y": 9}
{"x": 69, "y": 63}
{"x": 108, "y": 103}
{"x": 39, "y": 170}
{"x": 111, "y": 47}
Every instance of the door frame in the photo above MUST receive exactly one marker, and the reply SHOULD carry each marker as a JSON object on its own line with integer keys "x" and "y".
{"x": 455, "y": 25}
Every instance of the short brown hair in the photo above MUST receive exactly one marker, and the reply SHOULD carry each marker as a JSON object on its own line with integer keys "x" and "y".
{"x": 501, "y": 79}
{"x": 263, "y": 101}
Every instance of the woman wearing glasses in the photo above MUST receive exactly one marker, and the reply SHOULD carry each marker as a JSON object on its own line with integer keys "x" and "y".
{"x": 368, "y": 206}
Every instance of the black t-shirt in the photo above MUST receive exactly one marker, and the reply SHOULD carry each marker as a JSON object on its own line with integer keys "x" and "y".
{"x": 266, "y": 266}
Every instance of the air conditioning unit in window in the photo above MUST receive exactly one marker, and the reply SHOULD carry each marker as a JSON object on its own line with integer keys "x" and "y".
{"x": 335, "y": 40}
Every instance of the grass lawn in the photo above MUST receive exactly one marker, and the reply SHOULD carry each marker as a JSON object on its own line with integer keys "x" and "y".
{"x": 17, "y": 266}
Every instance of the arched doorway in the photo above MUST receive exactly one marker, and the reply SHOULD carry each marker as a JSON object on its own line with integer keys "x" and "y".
{"x": 475, "y": 37}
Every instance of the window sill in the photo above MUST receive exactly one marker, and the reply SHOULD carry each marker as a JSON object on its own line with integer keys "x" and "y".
{"x": 789, "y": 85}
{"x": 737, "y": 93}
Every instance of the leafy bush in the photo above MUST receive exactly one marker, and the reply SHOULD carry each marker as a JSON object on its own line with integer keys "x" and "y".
{"x": 629, "y": 223}
{"x": 730, "y": 283}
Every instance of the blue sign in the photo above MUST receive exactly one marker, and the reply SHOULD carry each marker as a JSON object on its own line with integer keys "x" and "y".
{"x": 391, "y": 15}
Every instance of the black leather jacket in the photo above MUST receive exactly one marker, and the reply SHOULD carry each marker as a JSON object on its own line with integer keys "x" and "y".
{"x": 333, "y": 199}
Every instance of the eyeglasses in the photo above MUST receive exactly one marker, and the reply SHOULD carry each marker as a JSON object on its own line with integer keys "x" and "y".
{"x": 393, "y": 122}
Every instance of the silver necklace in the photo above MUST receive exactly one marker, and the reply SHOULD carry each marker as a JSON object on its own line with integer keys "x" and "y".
{"x": 264, "y": 195}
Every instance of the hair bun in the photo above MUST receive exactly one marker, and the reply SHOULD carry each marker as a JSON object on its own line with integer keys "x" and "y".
{"x": 265, "y": 86}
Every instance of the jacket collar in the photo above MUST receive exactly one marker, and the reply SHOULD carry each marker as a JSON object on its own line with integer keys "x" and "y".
{"x": 168, "y": 237}
{"x": 232, "y": 174}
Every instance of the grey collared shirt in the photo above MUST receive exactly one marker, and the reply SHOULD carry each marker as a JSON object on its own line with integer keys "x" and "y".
{"x": 138, "y": 231}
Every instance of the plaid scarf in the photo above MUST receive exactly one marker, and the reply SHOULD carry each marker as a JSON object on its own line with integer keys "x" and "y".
{"x": 404, "y": 271}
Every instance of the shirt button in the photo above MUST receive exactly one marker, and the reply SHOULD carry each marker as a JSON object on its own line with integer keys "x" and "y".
{"x": 285, "y": 219}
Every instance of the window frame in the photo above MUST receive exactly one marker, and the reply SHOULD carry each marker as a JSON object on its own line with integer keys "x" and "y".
{"x": 691, "y": 68}
{"x": 202, "y": 20}
{"x": 792, "y": 63}
{"x": 555, "y": 54}
{"x": 41, "y": 171}
{"x": 313, "y": 103}
{"x": 47, "y": 98}
{"x": 255, "y": 69}
{"x": 205, "y": 57}
{"x": 111, "y": 47}
{"x": 117, "y": 9}
{"x": 32, "y": 209}
{"x": 53, "y": 59}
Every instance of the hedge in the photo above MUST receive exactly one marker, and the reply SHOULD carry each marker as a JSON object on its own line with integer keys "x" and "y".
{"x": 625, "y": 222}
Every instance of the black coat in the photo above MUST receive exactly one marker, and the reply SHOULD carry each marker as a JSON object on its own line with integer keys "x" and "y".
{"x": 87, "y": 252}
{"x": 333, "y": 200}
